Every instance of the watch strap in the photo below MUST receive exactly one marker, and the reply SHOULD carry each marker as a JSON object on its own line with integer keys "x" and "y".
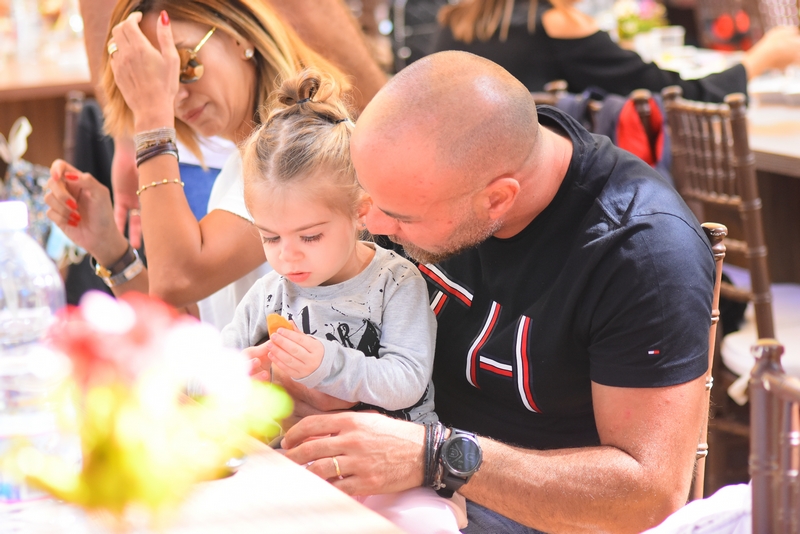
{"x": 121, "y": 271}
{"x": 129, "y": 273}
{"x": 117, "y": 267}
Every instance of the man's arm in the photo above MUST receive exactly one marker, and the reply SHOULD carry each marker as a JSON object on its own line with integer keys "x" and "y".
{"x": 96, "y": 17}
{"x": 327, "y": 26}
{"x": 639, "y": 475}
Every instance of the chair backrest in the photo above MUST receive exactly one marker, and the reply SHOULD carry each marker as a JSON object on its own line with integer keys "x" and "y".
{"x": 774, "y": 442}
{"x": 552, "y": 92}
{"x": 778, "y": 13}
{"x": 716, "y": 234}
{"x": 713, "y": 165}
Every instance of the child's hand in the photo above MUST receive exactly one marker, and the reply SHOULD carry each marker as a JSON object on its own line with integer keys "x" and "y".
{"x": 295, "y": 353}
{"x": 259, "y": 361}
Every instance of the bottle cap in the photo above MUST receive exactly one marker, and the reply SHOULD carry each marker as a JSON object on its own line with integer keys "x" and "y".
{"x": 13, "y": 215}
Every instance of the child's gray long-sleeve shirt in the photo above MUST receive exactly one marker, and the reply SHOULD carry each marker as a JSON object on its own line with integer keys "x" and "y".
{"x": 377, "y": 328}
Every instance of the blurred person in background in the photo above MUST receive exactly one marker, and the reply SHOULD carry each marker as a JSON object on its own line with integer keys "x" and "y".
{"x": 542, "y": 41}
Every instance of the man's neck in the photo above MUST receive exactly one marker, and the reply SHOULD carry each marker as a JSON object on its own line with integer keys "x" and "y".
{"x": 539, "y": 182}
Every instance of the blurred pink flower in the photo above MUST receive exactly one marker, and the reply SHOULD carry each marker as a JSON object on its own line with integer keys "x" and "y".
{"x": 111, "y": 340}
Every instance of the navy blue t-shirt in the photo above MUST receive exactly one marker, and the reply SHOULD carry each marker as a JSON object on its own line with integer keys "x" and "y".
{"x": 611, "y": 283}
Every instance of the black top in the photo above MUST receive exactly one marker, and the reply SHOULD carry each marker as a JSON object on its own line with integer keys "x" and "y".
{"x": 536, "y": 59}
{"x": 611, "y": 283}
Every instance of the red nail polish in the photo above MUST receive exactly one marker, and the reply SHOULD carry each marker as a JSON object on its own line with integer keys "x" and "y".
{"x": 71, "y": 204}
{"x": 71, "y": 176}
{"x": 72, "y": 223}
{"x": 164, "y": 18}
{"x": 75, "y": 216}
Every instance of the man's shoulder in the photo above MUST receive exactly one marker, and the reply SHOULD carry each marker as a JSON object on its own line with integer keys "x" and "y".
{"x": 635, "y": 193}
{"x": 620, "y": 184}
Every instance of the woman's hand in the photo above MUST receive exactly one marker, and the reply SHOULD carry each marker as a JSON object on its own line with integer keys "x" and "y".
{"x": 81, "y": 207}
{"x": 147, "y": 77}
{"x": 779, "y": 48}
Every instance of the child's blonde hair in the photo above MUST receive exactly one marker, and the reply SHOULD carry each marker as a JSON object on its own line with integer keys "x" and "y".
{"x": 307, "y": 130}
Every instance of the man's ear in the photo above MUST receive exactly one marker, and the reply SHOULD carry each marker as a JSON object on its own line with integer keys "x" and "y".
{"x": 498, "y": 197}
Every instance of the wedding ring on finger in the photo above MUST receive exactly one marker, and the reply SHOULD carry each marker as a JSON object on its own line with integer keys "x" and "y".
{"x": 112, "y": 47}
{"x": 336, "y": 465}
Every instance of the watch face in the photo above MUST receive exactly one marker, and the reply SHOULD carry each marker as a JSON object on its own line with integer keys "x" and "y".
{"x": 462, "y": 455}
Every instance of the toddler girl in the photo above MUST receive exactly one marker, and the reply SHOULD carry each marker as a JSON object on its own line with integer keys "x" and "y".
{"x": 365, "y": 331}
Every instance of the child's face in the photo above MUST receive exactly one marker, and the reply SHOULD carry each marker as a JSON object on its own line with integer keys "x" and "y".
{"x": 304, "y": 239}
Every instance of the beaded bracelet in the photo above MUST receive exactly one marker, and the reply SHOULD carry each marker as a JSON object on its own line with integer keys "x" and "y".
{"x": 437, "y": 469}
{"x": 153, "y": 137}
{"x": 154, "y": 184}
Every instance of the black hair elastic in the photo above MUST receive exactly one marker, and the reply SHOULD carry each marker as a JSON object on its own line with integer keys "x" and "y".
{"x": 303, "y": 101}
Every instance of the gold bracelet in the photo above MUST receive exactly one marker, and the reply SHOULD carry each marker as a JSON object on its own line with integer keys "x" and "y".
{"x": 162, "y": 182}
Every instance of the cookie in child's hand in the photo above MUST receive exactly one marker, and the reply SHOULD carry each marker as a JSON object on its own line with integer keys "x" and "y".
{"x": 275, "y": 321}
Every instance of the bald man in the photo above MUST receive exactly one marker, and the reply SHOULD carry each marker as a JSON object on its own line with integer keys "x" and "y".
{"x": 572, "y": 288}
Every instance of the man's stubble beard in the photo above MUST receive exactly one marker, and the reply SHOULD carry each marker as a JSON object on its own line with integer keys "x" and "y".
{"x": 471, "y": 233}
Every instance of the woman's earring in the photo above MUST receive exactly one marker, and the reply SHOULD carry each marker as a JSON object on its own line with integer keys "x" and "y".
{"x": 248, "y": 53}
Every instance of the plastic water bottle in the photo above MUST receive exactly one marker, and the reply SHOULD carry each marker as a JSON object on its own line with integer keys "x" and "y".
{"x": 31, "y": 291}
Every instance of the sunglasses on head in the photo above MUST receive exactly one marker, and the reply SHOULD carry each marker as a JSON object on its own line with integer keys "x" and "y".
{"x": 191, "y": 69}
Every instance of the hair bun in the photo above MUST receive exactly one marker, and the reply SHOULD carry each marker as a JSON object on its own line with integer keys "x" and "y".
{"x": 308, "y": 85}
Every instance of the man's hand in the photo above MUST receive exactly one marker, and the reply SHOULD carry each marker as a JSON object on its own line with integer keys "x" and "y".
{"x": 295, "y": 353}
{"x": 376, "y": 454}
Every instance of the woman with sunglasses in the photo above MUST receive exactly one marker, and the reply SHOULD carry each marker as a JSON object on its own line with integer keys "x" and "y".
{"x": 177, "y": 69}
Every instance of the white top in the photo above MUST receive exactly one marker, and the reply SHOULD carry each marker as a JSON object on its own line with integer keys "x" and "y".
{"x": 216, "y": 152}
{"x": 228, "y": 194}
{"x": 728, "y": 511}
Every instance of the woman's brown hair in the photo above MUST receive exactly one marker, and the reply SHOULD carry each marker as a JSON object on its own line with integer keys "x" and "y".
{"x": 279, "y": 52}
{"x": 470, "y": 19}
{"x": 306, "y": 134}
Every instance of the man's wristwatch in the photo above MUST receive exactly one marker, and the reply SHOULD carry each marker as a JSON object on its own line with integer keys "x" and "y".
{"x": 460, "y": 457}
{"x": 123, "y": 270}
